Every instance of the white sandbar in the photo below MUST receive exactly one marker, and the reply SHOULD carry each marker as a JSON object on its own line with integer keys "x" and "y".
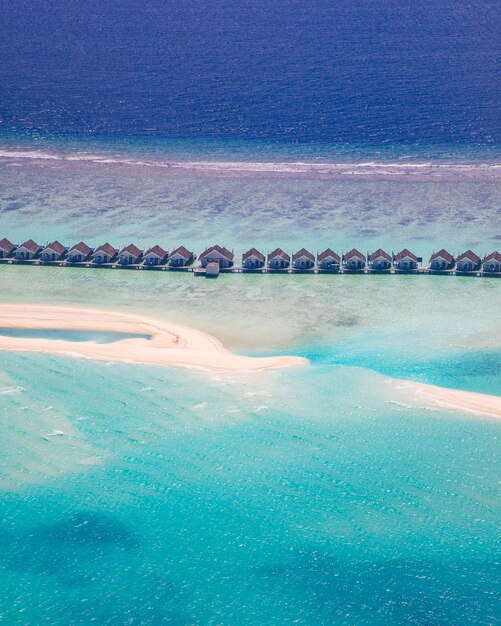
{"x": 452, "y": 399}
{"x": 169, "y": 344}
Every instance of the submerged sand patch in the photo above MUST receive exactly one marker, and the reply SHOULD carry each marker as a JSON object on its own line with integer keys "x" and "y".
{"x": 168, "y": 344}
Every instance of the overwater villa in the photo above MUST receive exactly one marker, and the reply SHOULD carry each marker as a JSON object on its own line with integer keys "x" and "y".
{"x": 155, "y": 255}
{"x": 6, "y": 248}
{"x": 328, "y": 260}
{"x": 104, "y": 254}
{"x": 79, "y": 253}
{"x": 303, "y": 260}
{"x": 27, "y": 251}
{"x": 278, "y": 259}
{"x": 468, "y": 262}
{"x": 441, "y": 261}
{"x": 129, "y": 255}
{"x": 379, "y": 261}
{"x": 354, "y": 261}
{"x": 492, "y": 262}
{"x": 53, "y": 252}
{"x": 181, "y": 257}
{"x": 253, "y": 259}
{"x": 405, "y": 261}
{"x": 217, "y": 254}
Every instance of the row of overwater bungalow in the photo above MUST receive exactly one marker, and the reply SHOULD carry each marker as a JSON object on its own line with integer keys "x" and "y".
{"x": 222, "y": 258}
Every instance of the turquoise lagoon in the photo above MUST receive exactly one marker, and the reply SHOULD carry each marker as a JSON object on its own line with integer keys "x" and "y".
{"x": 313, "y": 495}
{"x": 316, "y": 495}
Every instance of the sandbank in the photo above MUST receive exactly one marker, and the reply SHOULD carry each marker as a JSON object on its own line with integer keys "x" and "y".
{"x": 168, "y": 343}
{"x": 452, "y": 399}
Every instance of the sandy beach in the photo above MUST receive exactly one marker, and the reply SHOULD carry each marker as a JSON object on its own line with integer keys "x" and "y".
{"x": 168, "y": 344}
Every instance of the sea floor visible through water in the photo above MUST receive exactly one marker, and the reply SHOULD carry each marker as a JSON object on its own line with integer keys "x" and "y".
{"x": 320, "y": 494}
{"x": 243, "y": 194}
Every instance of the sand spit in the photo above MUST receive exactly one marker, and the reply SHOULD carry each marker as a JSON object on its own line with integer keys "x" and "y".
{"x": 453, "y": 399}
{"x": 168, "y": 344}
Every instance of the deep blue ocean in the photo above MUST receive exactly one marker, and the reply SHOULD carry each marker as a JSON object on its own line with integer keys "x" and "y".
{"x": 371, "y": 72}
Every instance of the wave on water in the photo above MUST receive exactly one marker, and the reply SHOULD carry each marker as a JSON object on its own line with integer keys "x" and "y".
{"x": 254, "y": 169}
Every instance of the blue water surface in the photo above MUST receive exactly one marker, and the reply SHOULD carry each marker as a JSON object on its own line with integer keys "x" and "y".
{"x": 391, "y": 72}
{"x": 315, "y": 504}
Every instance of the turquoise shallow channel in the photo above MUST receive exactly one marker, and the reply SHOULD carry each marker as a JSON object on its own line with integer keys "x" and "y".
{"x": 69, "y": 335}
{"x": 140, "y": 495}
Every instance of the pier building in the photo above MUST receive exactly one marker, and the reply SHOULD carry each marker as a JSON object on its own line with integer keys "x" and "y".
{"x": 79, "y": 253}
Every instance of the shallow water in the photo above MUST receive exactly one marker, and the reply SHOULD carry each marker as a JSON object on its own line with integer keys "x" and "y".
{"x": 69, "y": 335}
{"x": 94, "y": 193}
{"x": 314, "y": 495}
{"x": 301, "y": 495}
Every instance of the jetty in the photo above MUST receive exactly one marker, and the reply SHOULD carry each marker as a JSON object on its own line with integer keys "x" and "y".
{"x": 217, "y": 259}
